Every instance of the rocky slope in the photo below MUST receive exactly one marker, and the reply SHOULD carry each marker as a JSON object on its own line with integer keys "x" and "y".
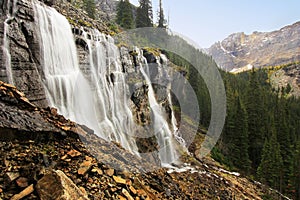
{"x": 287, "y": 77}
{"x": 258, "y": 49}
{"x": 43, "y": 156}
{"x": 107, "y": 9}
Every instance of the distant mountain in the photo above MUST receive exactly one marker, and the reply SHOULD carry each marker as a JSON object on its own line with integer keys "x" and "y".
{"x": 258, "y": 49}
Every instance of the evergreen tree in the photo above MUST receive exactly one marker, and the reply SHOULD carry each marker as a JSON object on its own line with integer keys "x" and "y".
{"x": 161, "y": 16}
{"x": 125, "y": 14}
{"x": 90, "y": 8}
{"x": 255, "y": 109}
{"x": 270, "y": 168}
{"x": 235, "y": 133}
{"x": 144, "y": 14}
{"x": 281, "y": 116}
{"x": 295, "y": 174}
{"x": 241, "y": 156}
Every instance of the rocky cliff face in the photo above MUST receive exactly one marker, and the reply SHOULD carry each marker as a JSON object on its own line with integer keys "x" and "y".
{"x": 107, "y": 8}
{"x": 22, "y": 41}
{"x": 258, "y": 49}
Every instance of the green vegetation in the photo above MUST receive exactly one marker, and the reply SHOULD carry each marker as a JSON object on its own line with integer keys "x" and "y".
{"x": 161, "y": 16}
{"x": 90, "y": 8}
{"x": 126, "y": 18}
{"x": 270, "y": 168}
{"x": 144, "y": 14}
{"x": 261, "y": 135}
{"x": 125, "y": 14}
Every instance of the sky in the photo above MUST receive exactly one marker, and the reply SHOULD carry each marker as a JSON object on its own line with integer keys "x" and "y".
{"x": 206, "y": 22}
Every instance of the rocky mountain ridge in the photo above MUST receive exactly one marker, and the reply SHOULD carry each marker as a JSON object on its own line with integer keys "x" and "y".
{"x": 258, "y": 49}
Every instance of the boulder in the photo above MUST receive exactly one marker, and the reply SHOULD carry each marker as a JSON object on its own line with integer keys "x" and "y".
{"x": 56, "y": 185}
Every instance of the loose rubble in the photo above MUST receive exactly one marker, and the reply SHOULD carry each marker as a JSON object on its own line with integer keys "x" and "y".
{"x": 43, "y": 156}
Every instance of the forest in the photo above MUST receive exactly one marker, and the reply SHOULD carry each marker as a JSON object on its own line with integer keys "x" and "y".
{"x": 261, "y": 137}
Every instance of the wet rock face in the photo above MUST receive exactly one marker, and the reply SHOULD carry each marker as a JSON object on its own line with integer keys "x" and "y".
{"x": 24, "y": 52}
{"x": 24, "y": 47}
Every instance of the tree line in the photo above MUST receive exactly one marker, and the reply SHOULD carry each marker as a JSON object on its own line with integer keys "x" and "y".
{"x": 128, "y": 16}
{"x": 261, "y": 137}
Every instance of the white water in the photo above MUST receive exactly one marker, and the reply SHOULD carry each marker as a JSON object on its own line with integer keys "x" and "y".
{"x": 115, "y": 119}
{"x": 97, "y": 102}
{"x": 59, "y": 60}
{"x": 164, "y": 136}
{"x": 98, "y": 98}
{"x": 5, "y": 47}
{"x": 175, "y": 130}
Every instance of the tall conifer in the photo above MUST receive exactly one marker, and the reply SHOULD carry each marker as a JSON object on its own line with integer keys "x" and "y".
{"x": 161, "y": 16}
{"x": 270, "y": 168}
{"x": 144, "y": 14}
{"x": 125, "y": 14}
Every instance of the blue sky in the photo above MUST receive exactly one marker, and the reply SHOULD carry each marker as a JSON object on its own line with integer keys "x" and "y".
{"x": 207, "y": 22}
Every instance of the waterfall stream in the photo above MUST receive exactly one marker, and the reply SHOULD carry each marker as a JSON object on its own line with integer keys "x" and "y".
{"x": 95, "y": 102}
{"x": 164, "y": 136}
{"x": 11, "y": 4}
{"x": 97, "y": 97}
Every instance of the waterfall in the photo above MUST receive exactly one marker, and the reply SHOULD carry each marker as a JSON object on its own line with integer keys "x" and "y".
{"x": 98, "y": 95}
{"x": 59, "y": 60}
{"x": 115, "y": 118}
{"x": 97, "y": 102}
{"x": 175, "y": 130}
{"x": 164, "y": 136}
{"x": 11, "y": 5}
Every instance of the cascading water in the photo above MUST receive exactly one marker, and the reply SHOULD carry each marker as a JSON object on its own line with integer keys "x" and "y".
{"x": 98, "y": 102}
{"x": 164, "y": 136}
{"x": 11, "y": 5}
{"x": 115, "y": 119}
{"x": 98, "y": 97}
{"x": 59, "y": 60}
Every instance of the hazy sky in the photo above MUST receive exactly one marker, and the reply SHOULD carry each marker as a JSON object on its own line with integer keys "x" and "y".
{"x": 207, "y": 22}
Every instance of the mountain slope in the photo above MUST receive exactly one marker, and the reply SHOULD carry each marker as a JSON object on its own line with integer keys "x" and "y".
{"x": 44, "y": 153}
{"x": 258, "y": 49}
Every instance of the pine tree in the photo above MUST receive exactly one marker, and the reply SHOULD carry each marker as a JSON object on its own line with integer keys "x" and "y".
{"x": 270, "y": 168}
{"x": 90, "y": 8}
{"x": 235, "y": 133}
{"x": 144, "y": 14}
{"x": 281, "y": 116}
{"x": 295, "y": 173}
{"x": 125, "y": 14}
{"x": 241, "y": 139}
{"x": 161, "y": 16}
{"x": 255, "y": 109}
